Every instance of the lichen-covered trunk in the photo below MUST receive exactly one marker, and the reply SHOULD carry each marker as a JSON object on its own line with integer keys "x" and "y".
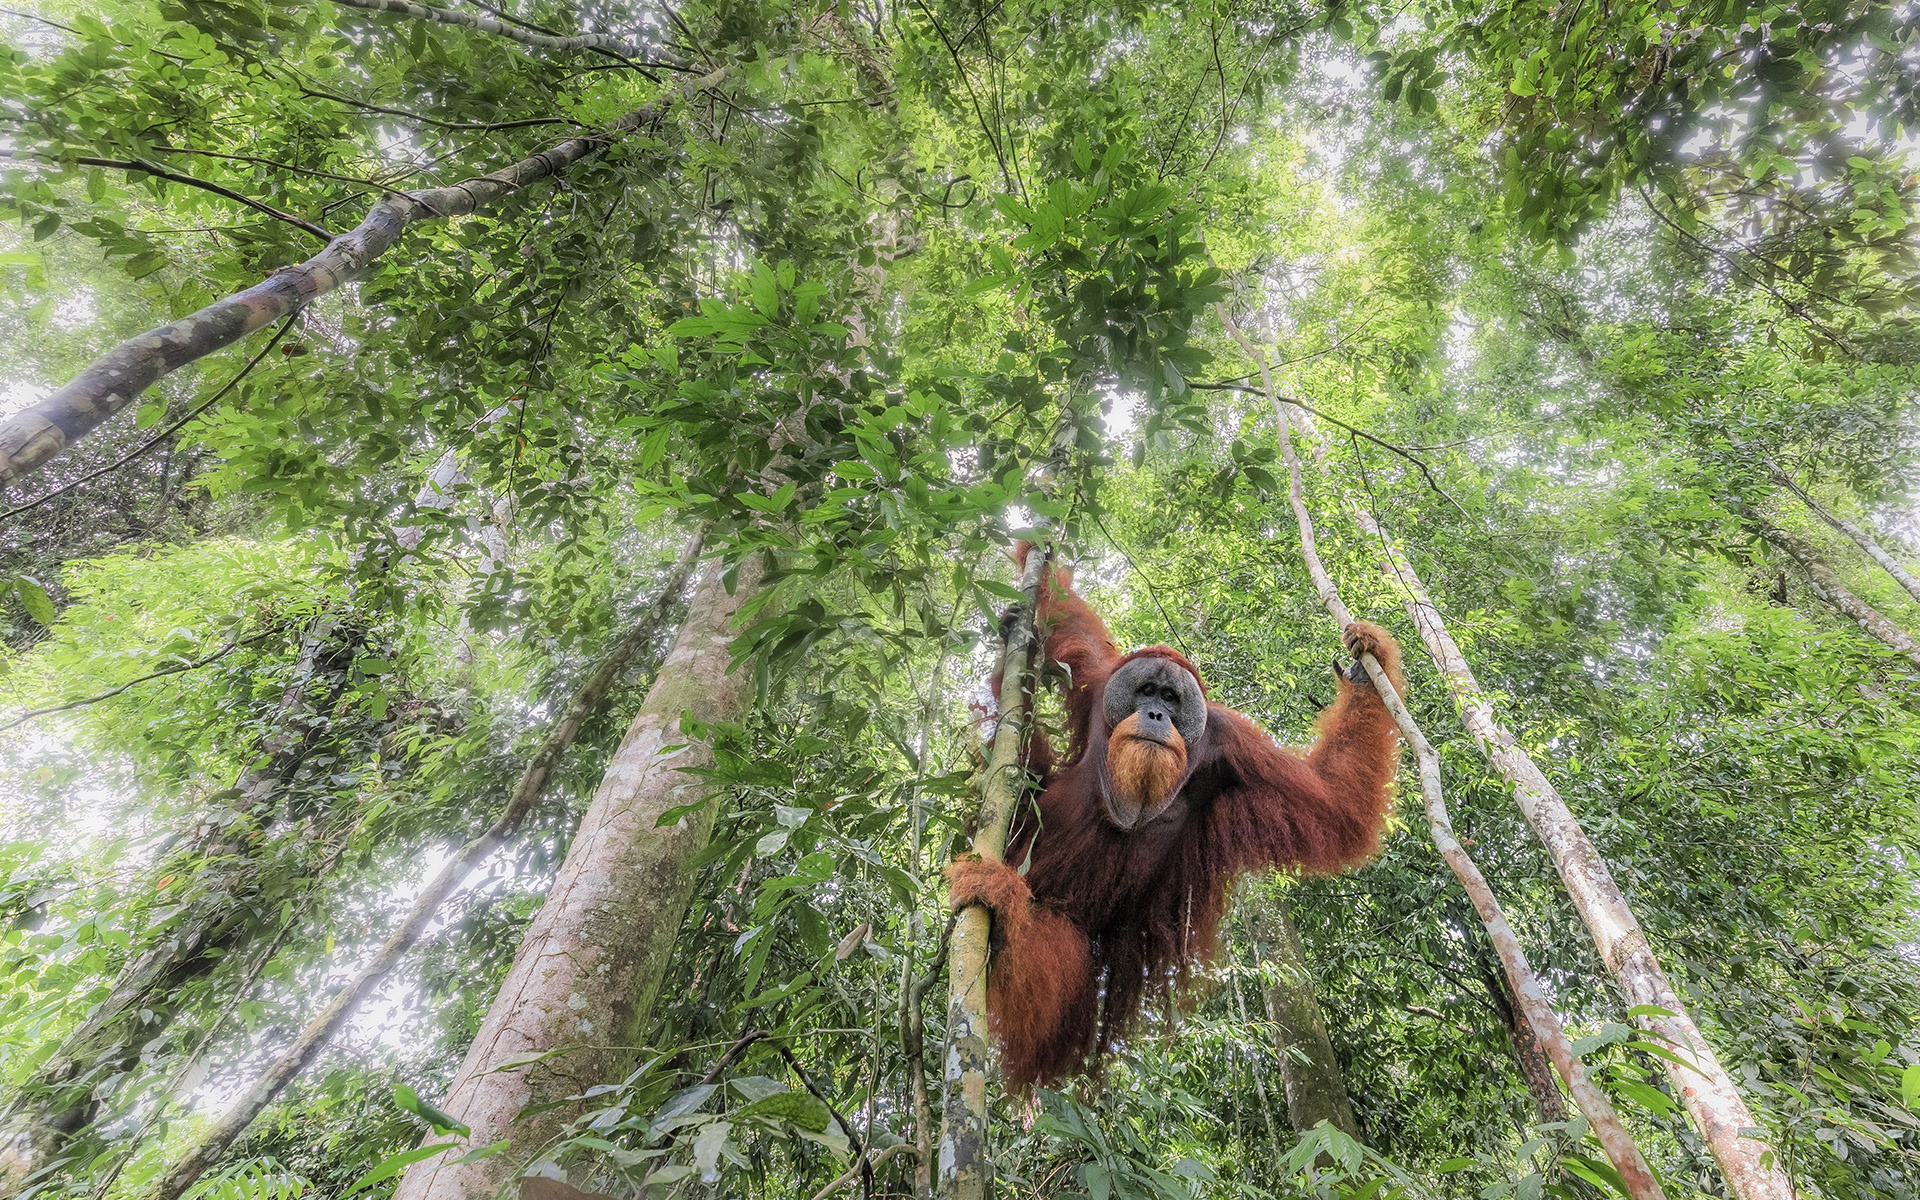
{"x": 1316, "y": 1090}
{"x": 1828, "y": 589}
{"x": 965, "y": 1167}
{"x": 1753, "y": 1170}
{"x": 590, "y": 965}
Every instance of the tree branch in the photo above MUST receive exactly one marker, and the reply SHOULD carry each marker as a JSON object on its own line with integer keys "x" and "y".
{"x": 163, "y": 435}
{"x": 526, "y": 37}
{"x": 159, "y": 172}
{"x": 456, "y": 126}
{"x": 34, "y": 435}
{"x": 178, "y": 669}
{"x": 1355, "y": 430}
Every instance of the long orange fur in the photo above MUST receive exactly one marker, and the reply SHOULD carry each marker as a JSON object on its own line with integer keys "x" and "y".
{"x": 1105, "y": 920}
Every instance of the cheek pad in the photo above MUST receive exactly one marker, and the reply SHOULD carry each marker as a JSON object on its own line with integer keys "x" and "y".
{"x": 1193, "y": 710}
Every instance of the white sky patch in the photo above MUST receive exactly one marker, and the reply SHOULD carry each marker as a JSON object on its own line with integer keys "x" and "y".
{"x": 15, "y": 396}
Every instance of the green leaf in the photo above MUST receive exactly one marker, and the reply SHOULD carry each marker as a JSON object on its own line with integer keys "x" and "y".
{"x": 1599, "y": 1174}
{"x": 766, "y": 291}
{"x": 34, "y": 598}
{"x": 707, "y": 1145}
{"x": 798, "y": 1108}
{"x": 442, "y": 1121}
{"x": 393, "y": 1164}
{"x": 1910, "y": 1087}
{"x": 1651, "y": 1099}
{"x": 767, "y": 504}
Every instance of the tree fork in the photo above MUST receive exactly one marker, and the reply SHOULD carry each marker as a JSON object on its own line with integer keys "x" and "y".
{"x": 33, "y": 436}
{"x": 1611, "y": 1132}
{"x": 209, "y": 1147}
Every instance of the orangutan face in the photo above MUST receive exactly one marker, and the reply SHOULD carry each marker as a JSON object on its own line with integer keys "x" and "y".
{"x": 1155, "y": 711}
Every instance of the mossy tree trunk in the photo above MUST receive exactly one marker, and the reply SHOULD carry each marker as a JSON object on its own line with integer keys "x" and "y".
{"x": 1316, "y": 1090}
{"x": 584, "y": 981}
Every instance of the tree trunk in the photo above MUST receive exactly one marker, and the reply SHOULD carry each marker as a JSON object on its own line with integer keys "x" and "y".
{"x": 1316, "y": 1091}
{"x": 1751, "y": 1167}
{"x": 61, "y": 1099}
{"x": 1594, "y": 1104}
{"x": 1830, "y": 591}
{"x": 965, "y": 1168}
{"x": 584, "y": 981}
{"x": 1528, "y": 1054}
{"x": 1859, "y": 536}
{"x": 208, "y": 1148}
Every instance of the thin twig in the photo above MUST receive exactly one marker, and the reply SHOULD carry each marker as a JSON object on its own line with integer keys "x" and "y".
{"x": 865, "y": 1165}
{"x": 733, "y": 1053}
{"x": 148, "y": 167}
{"x": 966, "y": 81}
{"x": 853, "y": 1135}
{"x": 1355, "y": 430}
{"x": 178, "y": 669}
{"x": 456, "y": 126}
{"x": 257, "y": 161}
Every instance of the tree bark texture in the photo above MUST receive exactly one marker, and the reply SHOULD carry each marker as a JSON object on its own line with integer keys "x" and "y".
{"x": 32, "y": 436}
{"x": 1316, "y": 1089}
{"x": 965, "y": 1167}
{"x": 220, "y": 917}
{"x": 1752, "y": 1170}
{"x": 1610, "y": 1131}
{"x": 1536, "y": 1069}
{"x": 584, "y": 981}
{"x": 1828, "y": 589}
{"x": 211, "y": 1145}
{"x": 1858, "y": 536}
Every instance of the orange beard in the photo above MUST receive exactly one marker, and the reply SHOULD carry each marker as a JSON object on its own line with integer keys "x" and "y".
{"x": 1143, "y": 773}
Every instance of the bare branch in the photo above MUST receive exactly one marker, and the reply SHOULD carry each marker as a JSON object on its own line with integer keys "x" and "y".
{"x": 1355, "y": 430}
{"x": 31, "y": 437}
{"x": 456, "y": 126}
{"x": 147, "y": 167}
{"x": 176, "y": 669}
